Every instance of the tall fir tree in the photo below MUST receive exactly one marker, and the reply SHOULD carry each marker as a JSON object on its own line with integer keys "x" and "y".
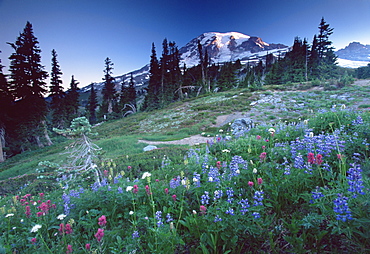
{"x": 92, "y": 104}
{"x": 152, "y": 98}
{"x": 71, "y": 101}
{"x": 108, "y": 91}
{"x": 27, "y": 85}
{"x": 57, "y": 105}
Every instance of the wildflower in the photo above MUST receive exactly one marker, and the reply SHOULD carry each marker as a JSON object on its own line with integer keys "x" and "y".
{"x": 250, "y": 183}
{"x": 318, "y": 159}
{"x": 203, "y": 209}
{"x": 87, "y": 246}
{"x": 258, "y": 197}
{"x": 256, "y": 215}
{"x": 230, "y": 194}
{"x": 355, "y": 180}
{"x": 41, "y": 195}
{"x": 311, "y": 158}
{"x": 272, "y": 131}
{"x": 39, "y": 214}
{"x": 259, "y": 181}
{"x": 205, "y": 198}
{"x": 339, "y": 156}
{"x": 61, "y": 228}
{"x": 316, "y": 194}
{"x": 254, "y": 171}
{"x": 217, "y": 218}
{"x": 171, "y": 226}
{"x": 169, "y": 218}
{"x": 99, "y": 234}
{"x": 166, "y": 190}
{"x": 146, "y": 174}
{"x": 35, "y": 228}
{"x": 158, "y": 217}
{"x": 136, "y": 189}
{"x": 9, "y": 215}
{"x": 68, "y": 229}
{"x": 175, "y": 182}
{"x": 263, "y": 156}
{"x": 217, "y": 194}
{"x": 218, "y": 164}
{"x": 341, "y": 208}
{"x": 258, "y": 137}
{"x": 147, "y": 189}
{"x": 28, "y": 211}
{"x": 69, "y": 249}
{"x": 33, "y": 240}
{"x": 174, "y": 197}
{"x": 129, "y": 188}
{"x": 135, "y": 234}
{"x": 230, "y": 211}
{"x": 102, "y": 221}
{"x": 311, "y": 134}
{"x": 194, "y": 212}
{"x": 131, "y": 213}
{"x": 119, "y": 190}
{"x": 244, "y": 206}
{"x": 61, "y": 216}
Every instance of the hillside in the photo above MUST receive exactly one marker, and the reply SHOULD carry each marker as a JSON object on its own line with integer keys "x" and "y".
{"x": 205, "y": 114}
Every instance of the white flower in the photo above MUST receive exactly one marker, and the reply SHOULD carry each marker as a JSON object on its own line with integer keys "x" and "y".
{"x": 237, "y": 171}
{"x": 272, "y": 130}
{"x": 61, "y": 216}
{"x": 305, "y": 122}
{"x": 129, "y": 188}
{"x": 195, "y": 180}
{"x": 9, "y": 215}
{"x": 145, "y": 175}
{"x": 254, "y": 171}
{"x": 221, "y": 130}
{"x": 35, "y": 228}
{"x": 311, "y": 135}
{"x": 226, "y": 151}
{"x": 194, "y": 212}
{"x": 210, "y": 179}
{"x": 131, "y": 213}
{"x": 343, "y": 106}
{"x": 183, "y": 182}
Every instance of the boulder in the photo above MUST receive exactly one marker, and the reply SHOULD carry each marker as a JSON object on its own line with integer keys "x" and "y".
{"x": 149, "y": 148}
{"x": 241, "y": 125}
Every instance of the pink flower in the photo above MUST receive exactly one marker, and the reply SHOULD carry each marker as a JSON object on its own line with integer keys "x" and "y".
{"x": 61, "y": 228}
{"x": 250, "y": 183}
{"x": 41, "y": 195}
{"x": 318, "y": 159}
{"x": 33, "y": 240}
{"x": 203, "y": 209}
{"x": 105, "y": 172}
{"x": 136, "y": 189}
{"x": 69, "y": 249}
{"x": 147, "y": 189}
{"x": 166, "y": 190}
{"x": 174, "y": 197}
{"x": 102, "y": 221}
{"x": 39, "y": 214}
{"x": 128, "y": 167}
{"x": 28, "y": 211}
{"x": 339, "y": 156}
{"x": 68, "y": 229}
{"x": 87, "y": 246}
{"x": 218, "y": 164}
{"x": 100, "y": 234}
{"x": 311, "y": 158}
{"x": 263, "y": 147}
{"x": 258, "y": 137}
{"x": 259, "y": 180}
{"x": 44, "y": 207}
{"x": 263, "y": 156}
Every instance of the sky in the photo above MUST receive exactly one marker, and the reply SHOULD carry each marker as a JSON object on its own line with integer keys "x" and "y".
{"x": 85, "y": 32}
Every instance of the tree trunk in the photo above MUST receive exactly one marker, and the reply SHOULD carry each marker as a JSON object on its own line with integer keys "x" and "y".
{"x": 39, "y": 143}
{"x": 46, "y": 134}
{"x": 2, "y": 143}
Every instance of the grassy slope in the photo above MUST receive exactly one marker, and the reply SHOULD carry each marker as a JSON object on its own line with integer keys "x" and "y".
{"x": 189, "y": 117}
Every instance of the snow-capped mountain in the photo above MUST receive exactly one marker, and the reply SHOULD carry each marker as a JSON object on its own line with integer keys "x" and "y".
{"x": 220, "y": 47}
{"x": 354, "y": 55}
{"x": 225, "y": 47}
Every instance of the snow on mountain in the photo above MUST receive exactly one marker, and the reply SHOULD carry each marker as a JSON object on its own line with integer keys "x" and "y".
{"x": 354, "y": 55}
{"x": 225, "y": 47}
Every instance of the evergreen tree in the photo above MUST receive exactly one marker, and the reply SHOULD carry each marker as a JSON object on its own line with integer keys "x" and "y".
{"x": 92, "y": 104}
{"x": 108, "y": 91}
{"x": 56, "y": 93}
{"x": 27, "y": 85}
{"x": 132, "y": 92}
{"x": 151, "y": 101}
{"x": 203, "y": 62}
{"x": 165, "y": 97}
{"x": 71, "y": 101}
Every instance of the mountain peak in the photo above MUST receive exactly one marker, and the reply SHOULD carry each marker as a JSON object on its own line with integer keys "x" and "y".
{"x": 355, "y": 51}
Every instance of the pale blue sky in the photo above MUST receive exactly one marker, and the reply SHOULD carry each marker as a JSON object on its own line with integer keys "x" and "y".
{"x": 85, "y": 32}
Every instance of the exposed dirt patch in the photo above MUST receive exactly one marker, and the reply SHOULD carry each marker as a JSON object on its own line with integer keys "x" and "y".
{"x": 193, "y": 140}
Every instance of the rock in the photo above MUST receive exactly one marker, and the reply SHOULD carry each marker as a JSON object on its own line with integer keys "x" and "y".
{"x": 240, "y": 125}
{"x": 149, "y": 148}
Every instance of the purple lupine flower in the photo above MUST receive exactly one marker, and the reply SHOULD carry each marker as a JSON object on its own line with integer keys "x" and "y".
{"x": 244, "y": 206}
{"x": 230, "y": 194}
{"x": 169, "y": 218}
{"x": 258, "y": 197}
{"x": 135, "y": 234}
{"x": 175, "y": 182}
{"x": 341, "y": 208}
{"x": 217, "y": 218}
{"x": 158, "y": 217}
{"x": 316, "y": 194}
{"x": 256, "y": 215}
{"x": 217, "y": 194}
{"x": 205, "y": 198}
{"x": 230, "y": 211}
{"x": 355, "y": 180}
{"x": 196, "y": 179}
{"x": 119, "y": 190}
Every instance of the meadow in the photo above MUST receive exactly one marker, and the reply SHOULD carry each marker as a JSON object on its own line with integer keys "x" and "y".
{"x": 294, "y": 183}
